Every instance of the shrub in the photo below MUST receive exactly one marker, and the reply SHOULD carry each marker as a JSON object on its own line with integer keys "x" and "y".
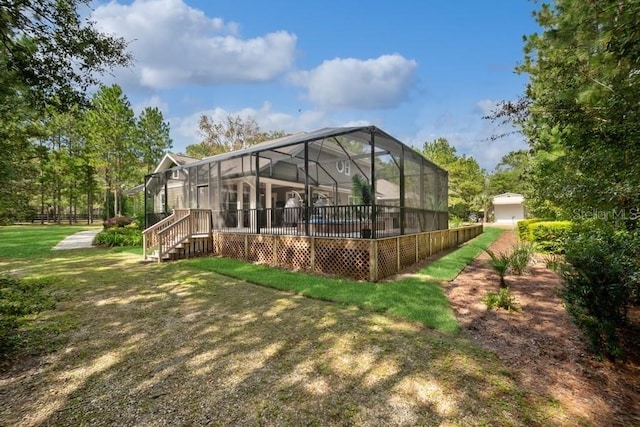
{"x": 521, "y": 257}
{"x": 126, "y": 236}
{"x": 502, "y": 299}
{"x": 523, "y": 228}
{"x": 601, "y": 274}
{"x": 18, "y": 298}
{"x": 118, "y": 221}
{"x": 550, "y": 236}
{"x": 500, "y": 263}
{"x": 553, "y": 262}
{"x": 455, "y": 221}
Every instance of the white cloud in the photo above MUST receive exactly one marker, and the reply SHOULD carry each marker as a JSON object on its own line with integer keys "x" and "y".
{"x": 184, "y": 130}
{"x": 174, "y": 44}
{"x": 153, "y": 101}
{"x": 369, "y": 84}
{"x": 470, "y": 134}
{"x": 356, "y": 123}
{"x": 486, "y": 106}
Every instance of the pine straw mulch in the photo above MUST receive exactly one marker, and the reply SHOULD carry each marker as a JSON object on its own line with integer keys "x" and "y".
{"x": 543, "y": 345}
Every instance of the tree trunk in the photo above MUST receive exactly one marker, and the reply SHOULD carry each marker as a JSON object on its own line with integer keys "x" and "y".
{"x": 42, "y": 214}
{"x": 116, "y": 202}
{"x": 503, "y": 283}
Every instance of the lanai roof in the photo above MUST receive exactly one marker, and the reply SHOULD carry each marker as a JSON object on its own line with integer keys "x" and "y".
{"x": 291, "y": 140}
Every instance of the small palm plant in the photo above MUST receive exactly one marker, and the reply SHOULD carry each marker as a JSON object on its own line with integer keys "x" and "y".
{"x": 500, "y": 262}
{"x": 363, "y": 192}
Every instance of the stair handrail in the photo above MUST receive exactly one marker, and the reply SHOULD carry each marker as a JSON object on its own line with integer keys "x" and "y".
{"x": 173, "y": 235}
{"x": 150, "y": 234}
{"x": 172, "y": 231}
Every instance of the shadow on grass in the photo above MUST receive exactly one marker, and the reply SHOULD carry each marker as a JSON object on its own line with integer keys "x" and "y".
{"x": 172, "y": 344}
{"x": 418, "y": 298}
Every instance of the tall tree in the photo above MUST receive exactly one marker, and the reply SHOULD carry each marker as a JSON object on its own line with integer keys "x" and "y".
{"x": 582, "y": 115}
{"x": 55, "y": 50}
{"x": 111, "y": 130}
{"x": 466, "y": 177}
{"x": 49, "y": 55}
{"x": 510, "y": 174}
{"x": 153, "y": 137}
{"x": 234, "y": 133}
{"x": 18, "y": 124}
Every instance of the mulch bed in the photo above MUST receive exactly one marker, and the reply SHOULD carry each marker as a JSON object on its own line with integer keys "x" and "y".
{"x": 542, "y": 344}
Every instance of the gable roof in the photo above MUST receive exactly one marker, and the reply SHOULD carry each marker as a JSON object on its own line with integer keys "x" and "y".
{"x": 172, "y": 159}
{"x": 508, "y": 199}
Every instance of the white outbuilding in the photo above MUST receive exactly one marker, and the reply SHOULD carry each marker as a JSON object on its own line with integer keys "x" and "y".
{"x": 508, "y": 208}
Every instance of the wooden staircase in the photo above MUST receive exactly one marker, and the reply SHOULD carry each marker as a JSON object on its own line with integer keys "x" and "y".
{"x": 184, "y": 234}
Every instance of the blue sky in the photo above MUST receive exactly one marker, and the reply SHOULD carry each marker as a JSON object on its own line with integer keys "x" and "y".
{"x": 417, "y": 69}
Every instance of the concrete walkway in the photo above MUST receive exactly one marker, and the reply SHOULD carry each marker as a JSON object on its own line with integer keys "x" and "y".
{"x": 79, "y": 240}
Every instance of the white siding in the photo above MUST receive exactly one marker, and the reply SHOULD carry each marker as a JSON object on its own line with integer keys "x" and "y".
{"x": 507, "y": 214}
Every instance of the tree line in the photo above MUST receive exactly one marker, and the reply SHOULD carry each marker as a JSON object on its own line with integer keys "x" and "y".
{"x": 63, "y": 150}
{"x": 471, "y": 188}
{"x": 580, "y": 115}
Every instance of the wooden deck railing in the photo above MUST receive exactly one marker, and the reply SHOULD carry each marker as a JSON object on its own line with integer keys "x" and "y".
{"x": 174, "y": 230}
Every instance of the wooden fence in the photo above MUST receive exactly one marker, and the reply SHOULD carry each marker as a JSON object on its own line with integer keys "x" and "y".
{"x": 359, "y": 259}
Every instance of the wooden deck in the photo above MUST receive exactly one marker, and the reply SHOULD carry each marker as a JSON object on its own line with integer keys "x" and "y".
{"x": 189, "y": 233}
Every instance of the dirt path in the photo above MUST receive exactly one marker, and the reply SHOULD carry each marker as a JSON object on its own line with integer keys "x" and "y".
{"x": 542, "y": 344}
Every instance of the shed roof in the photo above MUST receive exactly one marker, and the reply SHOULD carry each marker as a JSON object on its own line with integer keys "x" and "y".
{"x": 508, "y": 199}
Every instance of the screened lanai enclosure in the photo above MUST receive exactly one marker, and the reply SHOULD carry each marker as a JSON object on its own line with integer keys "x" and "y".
{"x": 352, "y": 182}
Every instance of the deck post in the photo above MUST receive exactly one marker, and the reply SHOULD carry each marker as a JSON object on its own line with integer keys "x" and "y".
{"x": 276, "y": 241}
{"x": 373, "y": 260}
{"x": 312, "y": 248}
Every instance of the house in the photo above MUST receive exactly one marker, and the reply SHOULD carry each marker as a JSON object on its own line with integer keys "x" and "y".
{"x": 508, "y": 208}
{"x": 298, "y": 202}
{"x": 249, "y": 189}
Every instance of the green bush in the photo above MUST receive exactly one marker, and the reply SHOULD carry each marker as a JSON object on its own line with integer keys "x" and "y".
{"x": 600, "y": 278}
{"x": 521, "y": 257}
{"x": 118, "y": 221}
{"x": 523, "y": 228}
{"x": 500, "y": 262}
{"x": 120, "y": 236}
{"x": 18, "y": 298}
{"x": 502, "y": 299}
{"x": 455, "y": 221}
{"x": 550, "y": 236}
{"x": 553, "y": 262}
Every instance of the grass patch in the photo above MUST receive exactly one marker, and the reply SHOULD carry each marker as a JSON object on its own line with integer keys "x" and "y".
{"x": 412, "y": 299}
{"x": 419, "y": 299}
{"x": 18, "y": 299}
{"x": 30, "y": 241}
{"x": 128, "y": 338}
{"x": 450, "y": 265}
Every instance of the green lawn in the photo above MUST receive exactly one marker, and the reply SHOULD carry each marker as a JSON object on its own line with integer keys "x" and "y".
{"x": 419, "y": 298}
{"x": 31, "y": 241}
{"x": 130, "y": 343}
